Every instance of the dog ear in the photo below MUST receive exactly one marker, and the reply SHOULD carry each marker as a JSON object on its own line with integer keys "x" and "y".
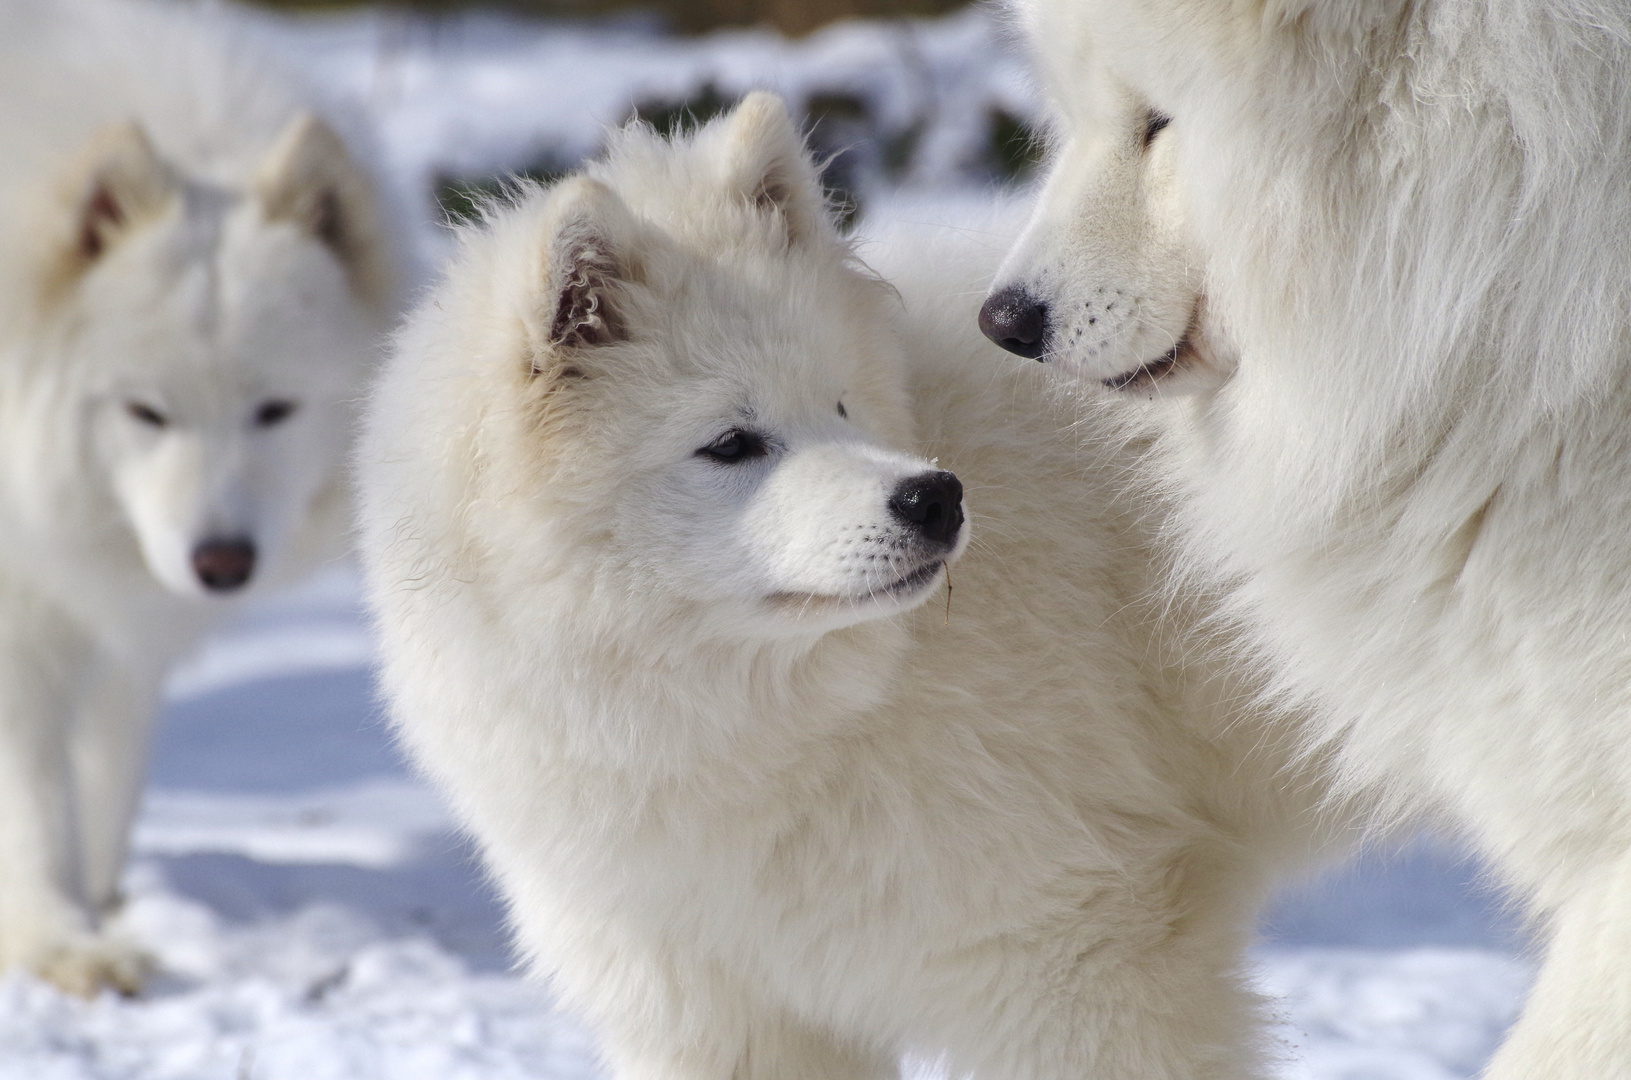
{"x": 121, "y": 181}
{"x": 589, "y": 262}
{"x": 768, "y": 165}
{"x": 308, "y": 178}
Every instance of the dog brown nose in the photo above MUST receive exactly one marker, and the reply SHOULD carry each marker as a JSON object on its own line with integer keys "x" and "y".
{"x": 932, "y": 504}
{"x": 224, "y": 564}
{"x": 1017, "y": 321}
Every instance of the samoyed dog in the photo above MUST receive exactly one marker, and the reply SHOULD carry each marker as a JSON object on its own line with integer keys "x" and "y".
{"x": 1391, "y": 239}
{"x": 663, "y": 500}
{"x": 191, "y": 277}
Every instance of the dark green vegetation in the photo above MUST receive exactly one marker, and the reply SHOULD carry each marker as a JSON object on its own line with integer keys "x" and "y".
{"x": 461, "y": 197}
{"x": 1016, "y": 148}
{"x": 857, "y": 150}
{"x": 686, "y": 16}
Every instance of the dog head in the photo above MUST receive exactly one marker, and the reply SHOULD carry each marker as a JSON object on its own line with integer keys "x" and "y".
{"x": 681, "y": 393}
{"x": 216, "y": 330}
{"x": 1103, "y": 282}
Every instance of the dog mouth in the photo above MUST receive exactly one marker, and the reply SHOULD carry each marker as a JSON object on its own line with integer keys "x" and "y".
{"x": 911, "y": 583}
{"x": 904, "y": 586}
{"x": 1150, "y": 372}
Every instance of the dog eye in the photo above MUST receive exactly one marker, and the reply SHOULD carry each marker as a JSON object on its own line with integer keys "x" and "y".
{"x": 843, "y": 412}
{"x": 146, "y": 414}
{"x": 735, "y": 445}
{"x": 274, "y": 412}
{"x": 1154, "y": 124}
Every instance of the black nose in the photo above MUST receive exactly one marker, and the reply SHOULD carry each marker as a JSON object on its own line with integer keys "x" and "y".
{"x": 931, "y": 503}
{"x": 1017, "y": 321}
{"x": 224, "y": 564}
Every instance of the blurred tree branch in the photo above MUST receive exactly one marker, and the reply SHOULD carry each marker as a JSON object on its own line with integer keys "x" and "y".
{"x": 792, "y": 17}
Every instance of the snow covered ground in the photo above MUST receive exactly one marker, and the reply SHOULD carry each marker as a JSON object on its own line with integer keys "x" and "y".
{"x": 316, "y": 919}
{"x": 313, "y": 914}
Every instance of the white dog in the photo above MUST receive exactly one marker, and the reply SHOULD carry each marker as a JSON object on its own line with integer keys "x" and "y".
{"x": 1412, "y": 219}
{"x": 191, "y": 277}
{"x": 652, "y": 539}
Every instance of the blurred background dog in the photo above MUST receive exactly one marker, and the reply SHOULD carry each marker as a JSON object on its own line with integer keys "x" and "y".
{"x": 194, "y": 274}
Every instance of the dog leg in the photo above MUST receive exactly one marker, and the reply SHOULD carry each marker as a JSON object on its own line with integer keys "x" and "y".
{"x": 783, "y": 1049}
{"x": 1135, "y": 987}
{"x": 108, "y": 753}
{"x": 45, "y": 921}
{"x": 662, "y": 1021}
{"x": 770, "y": 1049}
{"x": 109, "y": 757}
{"x": 1576, "y": 1024}
{"x": 1140, "y": 1025}
{"x": 41, "y": 900}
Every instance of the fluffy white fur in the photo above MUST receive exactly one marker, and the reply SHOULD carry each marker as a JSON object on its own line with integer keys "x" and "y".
{"x": 757, "y": 813}
{"x": 191, "y": 279}
{"x": 1416, "y": 485}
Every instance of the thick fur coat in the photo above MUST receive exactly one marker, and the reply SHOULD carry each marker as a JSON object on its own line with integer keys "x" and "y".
{"x": 1404, "y": 224}
{"x": 192, "y": 276}
{"x": 761, "y": 804}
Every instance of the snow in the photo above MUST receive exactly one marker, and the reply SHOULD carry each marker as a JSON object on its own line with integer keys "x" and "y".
{"x": 315, "y": 917}
{"x": 907, "y": 101}
{"x": 312, "y": 912}
{"x": 1350, "y": 1014}
{"x": 374, "y": 823}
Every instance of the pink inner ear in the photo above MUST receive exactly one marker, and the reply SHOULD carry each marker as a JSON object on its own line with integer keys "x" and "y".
{"x": 328, "y": 220}
{"x": 101, "y": 212}
{"x": 583, "y": 314}
{"x": 773, "y": 194}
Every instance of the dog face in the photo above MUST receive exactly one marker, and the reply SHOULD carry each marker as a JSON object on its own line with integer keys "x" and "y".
{"x": 1103, "y": 282}
{"x": 220, "y": 332}
{"x": 767, "y": 479}
{"x": 701, "y": 399}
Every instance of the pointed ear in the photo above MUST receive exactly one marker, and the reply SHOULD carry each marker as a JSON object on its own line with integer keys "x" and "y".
{"x": 120, "y": 182}
{"x": 767, "y": 164}
{"x": 308, "y": 178}
{"x": 590, "y": 260}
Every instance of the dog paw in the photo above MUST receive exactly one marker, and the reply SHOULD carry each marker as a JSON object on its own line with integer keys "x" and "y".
{"x": 87, "y": 963}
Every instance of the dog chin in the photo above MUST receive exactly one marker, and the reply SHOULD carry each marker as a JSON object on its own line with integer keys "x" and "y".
{"x": 1194, "y": 365}
{"x": 902, "y": 594}
{"x": 1181, "y": 369}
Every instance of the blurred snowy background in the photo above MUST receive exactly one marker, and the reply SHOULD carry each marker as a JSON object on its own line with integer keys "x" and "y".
{"x": 315, "y": 916}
